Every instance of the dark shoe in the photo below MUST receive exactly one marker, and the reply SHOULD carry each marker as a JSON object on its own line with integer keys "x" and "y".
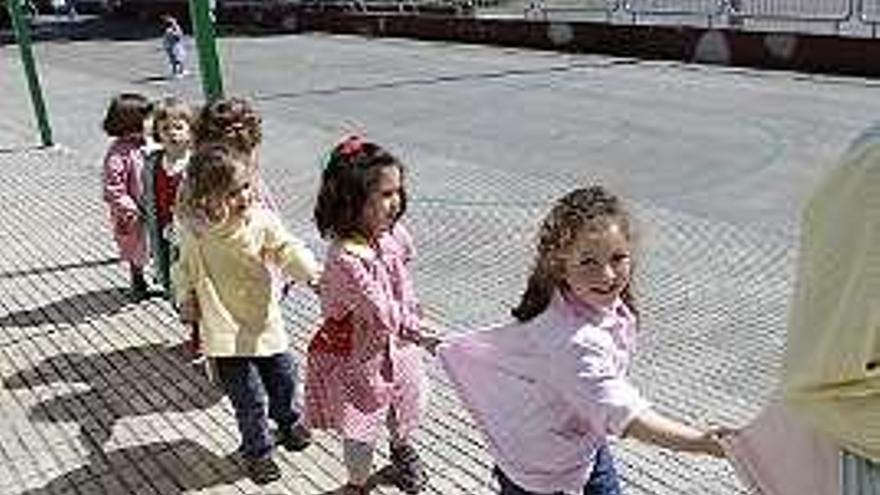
{"x": 295, "y": 439}
{"x": 409, "y": 473}
{"x": 139, "y": 289}
{"x": 263, "y": 470}
{"x": 350, "y": 489}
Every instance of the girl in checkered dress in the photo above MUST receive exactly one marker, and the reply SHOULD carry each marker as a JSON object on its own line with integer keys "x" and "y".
{"x": 364, "y": 368}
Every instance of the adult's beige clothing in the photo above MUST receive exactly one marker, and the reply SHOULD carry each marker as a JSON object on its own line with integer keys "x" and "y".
{"x": 831, "y": 375}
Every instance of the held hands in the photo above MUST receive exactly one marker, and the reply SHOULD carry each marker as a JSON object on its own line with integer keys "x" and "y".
{"x": 429, "y": 337}
{"x": 429, "y": 343}
{"x": 710, "y": 442}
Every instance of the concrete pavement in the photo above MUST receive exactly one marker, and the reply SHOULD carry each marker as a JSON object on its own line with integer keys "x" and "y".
{"x": 97, "y": 397}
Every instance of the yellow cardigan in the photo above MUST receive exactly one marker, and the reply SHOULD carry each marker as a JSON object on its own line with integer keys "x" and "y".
{"x": 229, "y": 267}
{"x": 831, "y": 371}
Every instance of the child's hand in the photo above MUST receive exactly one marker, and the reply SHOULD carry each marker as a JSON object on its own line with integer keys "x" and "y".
{"x": 315, "y": 285}
{"x": 189, "y": 310}
{"x": 429, "y": 343}
{"x": 126, "y": 224}
{"x": 710, "y": 443}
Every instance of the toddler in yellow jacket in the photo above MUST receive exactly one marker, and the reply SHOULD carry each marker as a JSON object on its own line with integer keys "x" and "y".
{"x": 223, "y": 281}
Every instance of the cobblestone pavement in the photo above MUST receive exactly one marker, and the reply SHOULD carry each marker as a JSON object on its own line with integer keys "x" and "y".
{"x": 96, "y": 396}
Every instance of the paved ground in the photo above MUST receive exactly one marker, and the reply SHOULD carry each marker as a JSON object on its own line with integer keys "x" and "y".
{"x": 96, "y": 397}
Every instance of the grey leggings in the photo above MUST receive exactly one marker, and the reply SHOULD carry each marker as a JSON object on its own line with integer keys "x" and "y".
{"x": 358, "y": 456}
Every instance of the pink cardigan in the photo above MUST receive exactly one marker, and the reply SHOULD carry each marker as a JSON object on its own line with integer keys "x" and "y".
{"x": 122, "y": 192}
{"x": 547, "y": 393}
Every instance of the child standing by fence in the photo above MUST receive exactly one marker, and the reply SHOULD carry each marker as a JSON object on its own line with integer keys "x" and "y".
{"x": 122, "y": 186}
{"x": 163, "y": 171}
{"x": 223, "y": 282}
{"x": 548, "y": 390}
{"x": 364, "y": 364}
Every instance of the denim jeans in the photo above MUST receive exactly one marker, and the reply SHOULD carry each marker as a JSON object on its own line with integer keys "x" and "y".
{"x": 248, "y": 382}
{"x": 603, "y": 479}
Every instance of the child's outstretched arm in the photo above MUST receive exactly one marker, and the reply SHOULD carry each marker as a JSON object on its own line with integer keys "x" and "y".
{"x": 590, "y": 379}
{"x": 654, "y": 428}
{"x": 290, "y": 253}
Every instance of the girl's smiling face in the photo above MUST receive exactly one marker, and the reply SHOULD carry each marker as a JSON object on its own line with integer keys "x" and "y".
{"x": 383, "y": 202}
{"x": 597, "y": 265}
{"x": 174, "y": 132}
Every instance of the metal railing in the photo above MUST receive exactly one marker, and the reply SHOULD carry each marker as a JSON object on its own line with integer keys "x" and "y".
{"x": 869, "y": 13}
{"x": 732, "y": 12}
{"x": 865, "y": 14}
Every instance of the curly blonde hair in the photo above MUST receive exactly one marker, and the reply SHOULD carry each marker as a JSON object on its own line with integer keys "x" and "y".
{"x": 232, "y": 121}
{"x": 210, "y": 175}
{"x": 586, "y": 208}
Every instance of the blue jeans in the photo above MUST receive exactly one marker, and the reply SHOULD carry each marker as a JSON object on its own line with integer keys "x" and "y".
{"x": 248, "y": 382}
{"x": 603, "y": 479}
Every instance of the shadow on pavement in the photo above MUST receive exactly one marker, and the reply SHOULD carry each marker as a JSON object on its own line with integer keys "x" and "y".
{"x": 21, "y": 149}
{"x": 87, "y": 27}
{"x": 58, "y": 268}
{"x": 382, "y": 477}
{"x": 185, "y": 466}
{"x": 72, "y": 310}
{"x": 128, "y": 382}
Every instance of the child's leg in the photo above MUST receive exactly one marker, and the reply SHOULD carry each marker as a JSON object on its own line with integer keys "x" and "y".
{"x": 139, "y": 285}
{"x": 409, "y": 472}
{"x": 241, "y": 382}
{"x": 603, "y": 479}
{"x": 358, "y": 457}
{"x": 194, "y": 346}
{"x": 279, "y": 374}
{"x": 163, "y": 266}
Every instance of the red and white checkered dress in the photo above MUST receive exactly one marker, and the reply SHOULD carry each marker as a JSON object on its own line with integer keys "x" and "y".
{"x": 362, "y": 360}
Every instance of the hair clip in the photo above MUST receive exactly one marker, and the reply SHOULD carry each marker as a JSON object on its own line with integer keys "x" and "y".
{"x": 350, "y": 145}
{"x": 233, "y": 128}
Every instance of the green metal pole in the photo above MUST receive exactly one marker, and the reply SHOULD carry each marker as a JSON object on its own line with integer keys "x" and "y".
{"x": 209, "y": 63}
{"x": 23, "y": 35}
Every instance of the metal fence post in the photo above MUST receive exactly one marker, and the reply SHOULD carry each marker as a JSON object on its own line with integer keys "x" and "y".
{"x": 23, "y": 35}
{"x": 209, "y": 63}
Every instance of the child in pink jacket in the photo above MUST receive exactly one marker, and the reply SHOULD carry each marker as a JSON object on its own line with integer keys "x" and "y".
{"x": 365, "y": 369}
{"x": 122, "y": 183}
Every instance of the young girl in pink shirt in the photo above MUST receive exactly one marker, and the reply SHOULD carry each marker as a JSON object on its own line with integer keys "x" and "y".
{"x": 122, "y": 187}
{"x": 364, "y": 367}
{"x": 550, "y": 389}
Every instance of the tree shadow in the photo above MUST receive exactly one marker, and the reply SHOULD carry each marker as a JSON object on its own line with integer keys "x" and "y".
{"x": 184, "y": 464}
{"x": 120, "y": 384}
{"x": 72, "y": 310}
